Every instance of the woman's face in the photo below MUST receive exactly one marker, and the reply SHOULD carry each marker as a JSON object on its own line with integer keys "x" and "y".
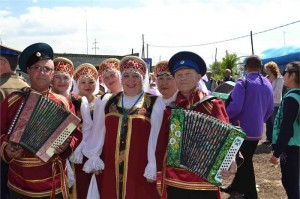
{"x": 268, "y": 71}
{"x": 166, "y": 85}
{"x": 60, "y": 82}
{"x": 112, "y": 81}
{"x": 132, "y": 83}
{"x": 86, "y": 86}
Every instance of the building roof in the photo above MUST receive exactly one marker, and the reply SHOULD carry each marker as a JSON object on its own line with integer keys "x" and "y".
{"x": 78, "y": 59}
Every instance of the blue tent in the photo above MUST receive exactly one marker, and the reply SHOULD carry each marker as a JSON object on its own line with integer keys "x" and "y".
{"x": 281, "y": 56}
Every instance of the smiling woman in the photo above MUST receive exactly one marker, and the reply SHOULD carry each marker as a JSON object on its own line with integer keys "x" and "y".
{"x": 125, "y": 137}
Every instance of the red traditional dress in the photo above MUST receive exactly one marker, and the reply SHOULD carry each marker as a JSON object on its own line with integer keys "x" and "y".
{"x": 84, "y": 110}
{"x": 82, "y": 179}
{"x": 125, "y": 136}
{"x": 29, "y": 175}
{"x": 179, "y": 177}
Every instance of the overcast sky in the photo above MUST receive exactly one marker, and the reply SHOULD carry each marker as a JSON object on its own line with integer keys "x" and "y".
{"x": 72, "y": 26}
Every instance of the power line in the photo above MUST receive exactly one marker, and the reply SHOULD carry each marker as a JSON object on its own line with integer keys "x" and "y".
{"x": 216, "y": 42}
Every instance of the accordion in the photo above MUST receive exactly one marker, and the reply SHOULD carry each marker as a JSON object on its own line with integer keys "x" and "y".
{"x": 41, "y": 124}
{"x": 202, "y": 144}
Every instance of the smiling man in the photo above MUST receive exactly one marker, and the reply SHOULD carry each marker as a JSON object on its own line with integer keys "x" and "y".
{"x": 187, "y": 68}
{"x": 23, "y": 179}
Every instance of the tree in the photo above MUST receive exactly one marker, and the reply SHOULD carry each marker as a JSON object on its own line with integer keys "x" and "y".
{"x": 230, "y": 61}
{"x": 216, "y": 69}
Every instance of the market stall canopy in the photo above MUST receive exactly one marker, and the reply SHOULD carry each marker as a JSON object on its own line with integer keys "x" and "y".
{"x": 281, "y": 56}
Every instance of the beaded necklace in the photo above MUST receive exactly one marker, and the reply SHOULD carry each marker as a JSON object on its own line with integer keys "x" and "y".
{"x": 126, "y": 113}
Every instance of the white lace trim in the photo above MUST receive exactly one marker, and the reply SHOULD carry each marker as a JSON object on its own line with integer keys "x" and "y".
{"x": 150, "y": 172}
{"x": 77, "y": 157}
{"x": 94, "y": 163}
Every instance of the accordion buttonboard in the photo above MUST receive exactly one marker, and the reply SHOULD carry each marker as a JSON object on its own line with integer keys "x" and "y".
{"x": 202, "y": 144}
{"x": 230, "y": 156}
{"x": 61, "y": 139}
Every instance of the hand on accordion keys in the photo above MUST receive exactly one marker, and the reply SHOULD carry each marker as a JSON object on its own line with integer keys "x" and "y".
{"x": 61, "y": 148}
{"x": 232, "y": 170}
{"x": 13, "y": 150}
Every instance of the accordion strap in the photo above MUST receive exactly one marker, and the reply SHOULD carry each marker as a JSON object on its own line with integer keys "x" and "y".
{"x": 204, "y": 99}
{"x": 194, "y": 106}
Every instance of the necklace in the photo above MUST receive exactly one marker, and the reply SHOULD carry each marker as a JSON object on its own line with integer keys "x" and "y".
{"x": 126, "y": 113}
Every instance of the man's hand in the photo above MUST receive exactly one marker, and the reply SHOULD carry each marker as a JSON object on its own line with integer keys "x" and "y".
{"x": 61, "y": 148}
{"x": 13, "y": 150}
{"x": 232, "y": 170}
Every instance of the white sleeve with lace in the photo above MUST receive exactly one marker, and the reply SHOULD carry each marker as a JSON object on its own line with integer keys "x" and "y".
{"x": 87, "y": 124}
{"x": 156, "y": 121}
{"x": 94, "y": 144}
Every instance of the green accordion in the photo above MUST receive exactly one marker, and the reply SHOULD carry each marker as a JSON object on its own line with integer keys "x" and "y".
{"x": 202, "y": 144}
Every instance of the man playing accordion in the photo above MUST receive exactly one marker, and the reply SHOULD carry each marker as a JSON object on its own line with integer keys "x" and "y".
{"x": 187, "y": 69}
{"x": 28, "y": 175}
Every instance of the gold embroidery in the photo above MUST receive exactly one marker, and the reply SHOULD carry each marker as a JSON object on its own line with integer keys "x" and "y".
{"x": 33, "y": 181}
{"x": 32, "y": 194}
{"x": 117, "y": 160}
{"x": 127, "y": 149}
{"x": 13, "y": 99}
{"x": 147, "y": 100}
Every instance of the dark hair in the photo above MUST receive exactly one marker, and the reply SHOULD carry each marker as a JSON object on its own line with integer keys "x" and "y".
{"x": 12, "y": 60}
{"x": 253, "y": 61}
{"x": 294, "y": 66}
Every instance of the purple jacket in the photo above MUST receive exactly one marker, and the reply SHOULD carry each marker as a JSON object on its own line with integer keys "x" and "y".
{"x": 252, "y": 104}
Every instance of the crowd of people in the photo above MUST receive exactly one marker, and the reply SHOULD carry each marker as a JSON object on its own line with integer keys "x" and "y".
{"x": 119, "y": 149}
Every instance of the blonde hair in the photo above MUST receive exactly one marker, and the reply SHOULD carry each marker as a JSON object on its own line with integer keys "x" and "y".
{"x": 272, "y": 66}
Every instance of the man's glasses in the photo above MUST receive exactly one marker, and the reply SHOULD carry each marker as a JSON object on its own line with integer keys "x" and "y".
{"x": 44, "y": 69}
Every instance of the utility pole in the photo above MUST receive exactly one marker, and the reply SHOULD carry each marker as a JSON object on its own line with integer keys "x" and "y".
{"x": 216, "y": 54}
{"x": 252, "y": 43}
{"x": 147, "y": 51}
{"x": 143, "y": 47}
{"x": 283, "y": 38}
{"x": 95, "y": 44}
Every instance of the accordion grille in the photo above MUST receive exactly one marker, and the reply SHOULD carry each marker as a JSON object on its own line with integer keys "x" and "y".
{"x": 44, "y": 120}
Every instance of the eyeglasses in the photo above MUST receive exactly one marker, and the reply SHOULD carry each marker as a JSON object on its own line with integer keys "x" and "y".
{"x": 45, "y": 69}
{"x": 291, "y": 71}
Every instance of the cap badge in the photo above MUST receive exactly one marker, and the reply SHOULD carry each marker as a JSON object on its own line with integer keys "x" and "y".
{"x": 182, "y": 62}
{"x": 38, "y": 54}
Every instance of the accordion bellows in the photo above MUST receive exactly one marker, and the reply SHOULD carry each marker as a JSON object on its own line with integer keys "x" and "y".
{"x": 41, "y": 124}
{"x": 202, "y": 144}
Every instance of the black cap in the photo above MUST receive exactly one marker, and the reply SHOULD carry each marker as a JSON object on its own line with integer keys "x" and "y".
{"x": 33, "y": 54}
{"x": 186, "y": 59}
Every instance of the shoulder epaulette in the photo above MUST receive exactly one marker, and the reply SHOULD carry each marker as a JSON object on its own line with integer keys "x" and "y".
{"x": 15, "y": 96}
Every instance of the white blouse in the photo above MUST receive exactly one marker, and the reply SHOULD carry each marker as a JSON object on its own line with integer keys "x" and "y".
{"x": 95, "y": 142}
{"x": 87, "y": 124}
{"x": 277, "y": 85}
